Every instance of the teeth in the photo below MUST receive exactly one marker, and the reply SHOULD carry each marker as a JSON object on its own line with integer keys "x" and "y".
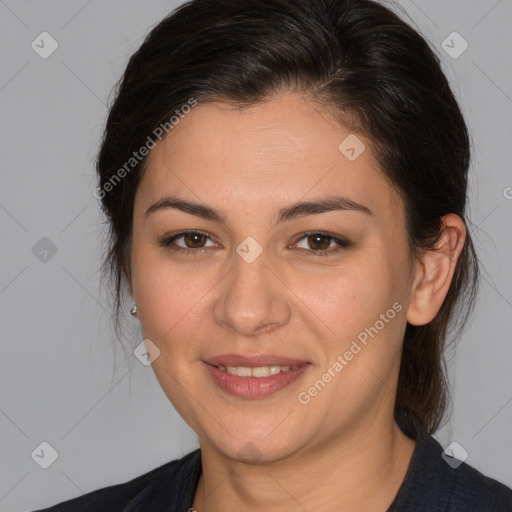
{"x": 241, "y": 371}
{"x": 259, "y": 371}
{"x": 262, "y": 371}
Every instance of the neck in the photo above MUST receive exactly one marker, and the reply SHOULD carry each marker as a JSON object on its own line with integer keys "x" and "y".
{"x": 350, "y": 473}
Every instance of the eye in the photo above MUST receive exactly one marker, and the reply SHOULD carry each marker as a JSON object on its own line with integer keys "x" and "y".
{"x": 193, "y": 242}
{"x": 320, "y": 241}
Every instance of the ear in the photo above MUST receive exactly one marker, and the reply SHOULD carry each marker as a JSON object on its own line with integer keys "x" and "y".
{"x": 435, "y": 272}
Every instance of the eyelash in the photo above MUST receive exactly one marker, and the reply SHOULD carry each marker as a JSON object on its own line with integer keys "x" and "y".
{"x": 342, "y": 244}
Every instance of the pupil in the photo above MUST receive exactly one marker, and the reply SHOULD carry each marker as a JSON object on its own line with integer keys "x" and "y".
{"x": 194, "y": 236}
{"x": 316, "y": 238}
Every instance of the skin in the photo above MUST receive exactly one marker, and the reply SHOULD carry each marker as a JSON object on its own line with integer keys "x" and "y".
{"x": 342, "y": 450}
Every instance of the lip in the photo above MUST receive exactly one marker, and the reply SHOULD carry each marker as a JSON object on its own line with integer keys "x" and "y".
{"x": 253, "y": 361}
{"x": 254, "y": 387}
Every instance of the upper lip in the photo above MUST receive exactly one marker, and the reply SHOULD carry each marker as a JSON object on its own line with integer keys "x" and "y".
{"x": 253, "y": 361}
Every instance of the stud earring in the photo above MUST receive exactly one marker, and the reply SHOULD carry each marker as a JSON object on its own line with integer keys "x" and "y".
{"x": 133, "y": 311}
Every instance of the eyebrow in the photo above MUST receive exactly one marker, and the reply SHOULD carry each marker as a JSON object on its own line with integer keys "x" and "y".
{"x": 294, "y": 211}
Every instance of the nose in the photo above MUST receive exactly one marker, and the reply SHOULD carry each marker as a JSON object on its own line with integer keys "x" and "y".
{"x": 253, "y": 299}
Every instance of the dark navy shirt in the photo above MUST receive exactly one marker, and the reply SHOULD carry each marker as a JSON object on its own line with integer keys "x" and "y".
{"x": 430, "y": 485}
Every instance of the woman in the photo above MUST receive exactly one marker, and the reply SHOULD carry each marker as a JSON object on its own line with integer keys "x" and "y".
{"x": 285, "y": 182}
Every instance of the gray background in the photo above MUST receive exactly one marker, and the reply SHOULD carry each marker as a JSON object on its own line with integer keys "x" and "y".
{"x": 61, "y": 379}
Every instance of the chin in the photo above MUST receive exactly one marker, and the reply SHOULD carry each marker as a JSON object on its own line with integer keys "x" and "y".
{"x": 252, "y": 447}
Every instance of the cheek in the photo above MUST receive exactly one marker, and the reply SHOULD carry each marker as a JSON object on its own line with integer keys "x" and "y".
{"x": 172, "y": 299}
{"x": 353, "y": 298}
{"x": 365, "y": 313}
{"x": 361, "y": 354}
{"x": 333, "y": 302}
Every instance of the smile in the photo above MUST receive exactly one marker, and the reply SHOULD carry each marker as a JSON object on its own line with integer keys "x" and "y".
{"x": 254, "y": 382}
{"x": 258, "y": 372}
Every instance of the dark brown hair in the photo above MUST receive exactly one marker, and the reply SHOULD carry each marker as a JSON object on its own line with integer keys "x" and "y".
{"x": 356, "y": 58}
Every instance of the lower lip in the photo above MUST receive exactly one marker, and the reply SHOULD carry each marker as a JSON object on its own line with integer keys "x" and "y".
{"x": 254, "y": 387}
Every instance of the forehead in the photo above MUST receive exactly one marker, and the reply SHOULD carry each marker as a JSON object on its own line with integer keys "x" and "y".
{"x": 283, "y": 150}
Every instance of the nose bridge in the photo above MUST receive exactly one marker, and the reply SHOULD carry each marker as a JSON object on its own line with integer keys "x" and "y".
{"x": 251, "y": 299}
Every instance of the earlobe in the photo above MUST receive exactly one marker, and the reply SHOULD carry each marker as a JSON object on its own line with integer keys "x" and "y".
{"x": 435, "y": 272}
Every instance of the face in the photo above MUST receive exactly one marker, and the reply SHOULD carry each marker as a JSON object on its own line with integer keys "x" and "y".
{"x": 261, "y": 284}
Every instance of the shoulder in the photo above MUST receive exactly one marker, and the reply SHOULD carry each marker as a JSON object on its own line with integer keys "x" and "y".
{"x": 475, "y": 491}
{"x": 433, "y": 484}
{"x": 141, "y": 490}
{"x": 436, "y": 482}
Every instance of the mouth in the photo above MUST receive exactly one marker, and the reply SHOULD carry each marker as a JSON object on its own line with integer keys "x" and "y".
{"x": 257, "y": 371}
{"x": 254, "y": 377}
